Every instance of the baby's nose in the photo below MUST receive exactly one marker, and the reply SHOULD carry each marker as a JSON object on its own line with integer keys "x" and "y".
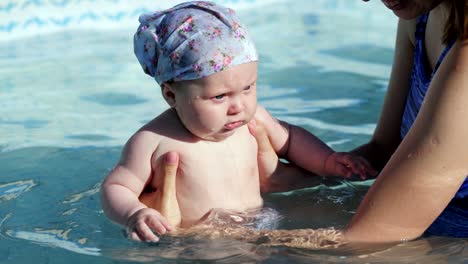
{"x": 236, "y": 106}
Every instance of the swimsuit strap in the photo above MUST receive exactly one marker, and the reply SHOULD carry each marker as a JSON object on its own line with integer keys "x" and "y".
{"x": 420, "y": 51}
{"x": 421, "y": 26}
{"x": 421, "y": 75}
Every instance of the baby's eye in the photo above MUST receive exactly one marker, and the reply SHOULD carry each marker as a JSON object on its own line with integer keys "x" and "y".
{"x": 249, "y": 87}
{"x": 219, "y": 97}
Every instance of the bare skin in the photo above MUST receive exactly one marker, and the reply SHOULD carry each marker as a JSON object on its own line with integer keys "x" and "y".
{"x": 218, "y": 168}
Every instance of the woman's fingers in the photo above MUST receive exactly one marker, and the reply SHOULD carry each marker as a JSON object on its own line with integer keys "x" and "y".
{"x": 267, "y": 158}
{"x": 261, "y": 136}
{"x": 252, "y": 125}
{"x": 171, "y": 163}
{"x": 168, "y": 205}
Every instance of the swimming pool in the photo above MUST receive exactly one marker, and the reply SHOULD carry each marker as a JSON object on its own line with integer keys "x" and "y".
{"x": 72, "y": 92}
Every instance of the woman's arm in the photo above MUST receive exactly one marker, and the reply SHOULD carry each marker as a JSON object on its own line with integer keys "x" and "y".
{"x": 427, "y": 168}
{"x": 386, "y": 136}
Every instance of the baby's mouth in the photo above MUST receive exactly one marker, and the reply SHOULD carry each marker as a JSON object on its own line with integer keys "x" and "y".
{"x": 233, "y": 125}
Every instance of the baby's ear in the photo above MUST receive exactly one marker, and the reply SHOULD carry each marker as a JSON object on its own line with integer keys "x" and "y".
{"x": 168, "y": 94}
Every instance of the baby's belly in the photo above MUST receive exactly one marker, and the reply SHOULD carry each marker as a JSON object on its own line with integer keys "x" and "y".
{"x": 195, "y": 207}
{"x": 220, "y": 175}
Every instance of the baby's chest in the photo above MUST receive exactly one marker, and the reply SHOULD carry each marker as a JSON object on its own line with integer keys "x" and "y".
{"x": 219, "y": 179}
{"x": 211, "y": 162}
{"x": 205, "y": 160}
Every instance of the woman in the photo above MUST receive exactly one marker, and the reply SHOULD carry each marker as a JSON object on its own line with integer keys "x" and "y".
{"x": 421, "y": 140}
{"x": 421, "y": 137}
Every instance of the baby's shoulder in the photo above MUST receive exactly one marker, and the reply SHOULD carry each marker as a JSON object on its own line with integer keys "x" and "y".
{"x": 159, "y": 129}
{"x": 165, "y": 125}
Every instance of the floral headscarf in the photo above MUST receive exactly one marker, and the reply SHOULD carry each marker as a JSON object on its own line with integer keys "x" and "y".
{"x": 190, "y": 41}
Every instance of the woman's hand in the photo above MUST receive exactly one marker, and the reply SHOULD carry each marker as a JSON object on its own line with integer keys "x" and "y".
{"x": 277, "y": 176}
{"x": 164, "y": 198}
{"x": 268, "y": 161}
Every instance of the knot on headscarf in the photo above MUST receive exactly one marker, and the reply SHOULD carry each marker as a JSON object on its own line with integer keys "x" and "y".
{"x": 190, "y": 41}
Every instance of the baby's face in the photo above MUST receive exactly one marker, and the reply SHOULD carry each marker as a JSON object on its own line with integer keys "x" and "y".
{"x": 213, "y": 107}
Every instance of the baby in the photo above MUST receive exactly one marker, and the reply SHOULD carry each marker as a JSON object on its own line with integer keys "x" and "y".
{"x": 206, "y": 66}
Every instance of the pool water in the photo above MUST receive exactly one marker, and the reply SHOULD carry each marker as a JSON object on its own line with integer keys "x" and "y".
{"x": 69, "y": 100}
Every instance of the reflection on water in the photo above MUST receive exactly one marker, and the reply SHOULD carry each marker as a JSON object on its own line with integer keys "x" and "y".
{"x": 78, "y": 196}
{"x": 12, "y": 190}
{"x": 54, "y": 238}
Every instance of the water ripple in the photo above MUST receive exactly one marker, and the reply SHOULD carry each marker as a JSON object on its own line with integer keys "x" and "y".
{"x": 12, "y": 190}
{"x": 300, "y": 106}
{"x": 79, "y": 196}
{"x": 54, "y": 239}
{"x": 363, "y": 129}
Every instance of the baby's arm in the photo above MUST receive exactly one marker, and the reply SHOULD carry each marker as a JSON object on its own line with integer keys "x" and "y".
{"x": 307, "y": 151}
{"x": 122, "y": 187}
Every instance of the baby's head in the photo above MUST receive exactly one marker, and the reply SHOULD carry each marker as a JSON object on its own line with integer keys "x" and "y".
{"x": 204, "y": 61}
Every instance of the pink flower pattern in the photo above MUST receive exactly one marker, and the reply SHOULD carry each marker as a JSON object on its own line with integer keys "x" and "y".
{"x": 210, "y": 45}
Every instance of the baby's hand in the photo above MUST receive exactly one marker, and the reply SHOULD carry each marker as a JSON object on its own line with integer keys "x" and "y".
{"x": 144, "y": 223}
{"x": 346, "y": 164}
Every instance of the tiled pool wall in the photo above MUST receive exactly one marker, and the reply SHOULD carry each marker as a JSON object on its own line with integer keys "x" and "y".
{"x": 30, "y": 17}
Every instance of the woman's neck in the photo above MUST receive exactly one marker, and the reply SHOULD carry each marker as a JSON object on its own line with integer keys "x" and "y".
{"x": 441, "y": 11}
{"x": 438, "y": 19}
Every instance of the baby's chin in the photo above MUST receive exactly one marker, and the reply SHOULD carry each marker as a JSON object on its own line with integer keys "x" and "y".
{"x": 222, "y": 135}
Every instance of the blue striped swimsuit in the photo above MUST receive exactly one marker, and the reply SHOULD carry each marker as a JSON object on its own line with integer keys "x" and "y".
{"x": 454, "y": 219}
